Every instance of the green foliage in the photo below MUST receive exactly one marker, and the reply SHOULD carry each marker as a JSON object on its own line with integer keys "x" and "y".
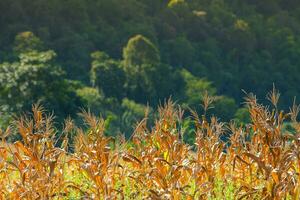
{"x": 107, "y": 75}
{"x": 100, "y": 56}
{"x": 175, "y": 2}
{"x": 133, "y": 113}
{"x": 139, "y": 51}
{"x": 224, "y": 108}
{"x": 148, "y": 80}
{"x": 90, "y": 96}
{"x": 35, "y": 78}
{"x": 188, "y": 129}
{"x": 5, "y": 116}
{"x": 242, "y": 116}
{"x": 145, "y": 46}
{"x": 133, "y": 107}
{"x": 234, "y": 44}
{"x": 179, "y": 52}
{"x": 26, "y": 42}
{"x": 195, "y": 88}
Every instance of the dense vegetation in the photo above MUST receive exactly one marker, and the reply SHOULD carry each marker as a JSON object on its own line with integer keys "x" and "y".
{"x": 119, "y": 56}
{"x": 126, "y": 61}
{"x": 261, "y": 161}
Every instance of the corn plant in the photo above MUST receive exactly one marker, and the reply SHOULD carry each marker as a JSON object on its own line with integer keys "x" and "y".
{"x": 260, "y": 160}
{"x": 95, "y": 158}
{"x": 37, "y": 164}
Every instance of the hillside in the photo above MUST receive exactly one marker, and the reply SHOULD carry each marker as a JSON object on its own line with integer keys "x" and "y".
{"x": 118, "y": 56}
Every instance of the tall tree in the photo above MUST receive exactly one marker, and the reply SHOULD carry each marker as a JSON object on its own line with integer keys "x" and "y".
{"x": 141, "y": 64}
{"x": 107, "y": 75}
{"x": 26, "y": 42}
{"x": 35, "y": 78}
{"x": 139, "y": 51}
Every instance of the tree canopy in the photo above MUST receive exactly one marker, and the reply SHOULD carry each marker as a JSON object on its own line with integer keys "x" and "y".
{"x": 103, "y": 53}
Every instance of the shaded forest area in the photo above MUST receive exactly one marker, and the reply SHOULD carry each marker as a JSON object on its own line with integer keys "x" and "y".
{"x": 121, "y": 58}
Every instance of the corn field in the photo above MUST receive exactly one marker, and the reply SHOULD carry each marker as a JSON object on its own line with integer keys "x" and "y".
{"x": 259, "y": 160}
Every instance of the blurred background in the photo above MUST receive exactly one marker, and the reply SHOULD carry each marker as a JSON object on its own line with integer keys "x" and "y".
{"x": 120, "y": 58}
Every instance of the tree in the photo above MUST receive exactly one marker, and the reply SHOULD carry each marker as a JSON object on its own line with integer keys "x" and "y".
{"x": 91, "y": 98}
{"x": 139, "y": 51}
{"x": 242, "y": 116}
{"x": 132, "y": 113}
{"x": 35, "y": 78}
{"x": 224, "y": 108}
{"x": 179, "y": 52}
{"x": 194, "y": 89}
{"x": 107, "y": 75}
{"x": 26, "y": 42}
{"x": 141, "y": 64}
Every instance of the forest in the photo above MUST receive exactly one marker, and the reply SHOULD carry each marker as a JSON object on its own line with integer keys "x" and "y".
{"x": 118, "y": 58}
